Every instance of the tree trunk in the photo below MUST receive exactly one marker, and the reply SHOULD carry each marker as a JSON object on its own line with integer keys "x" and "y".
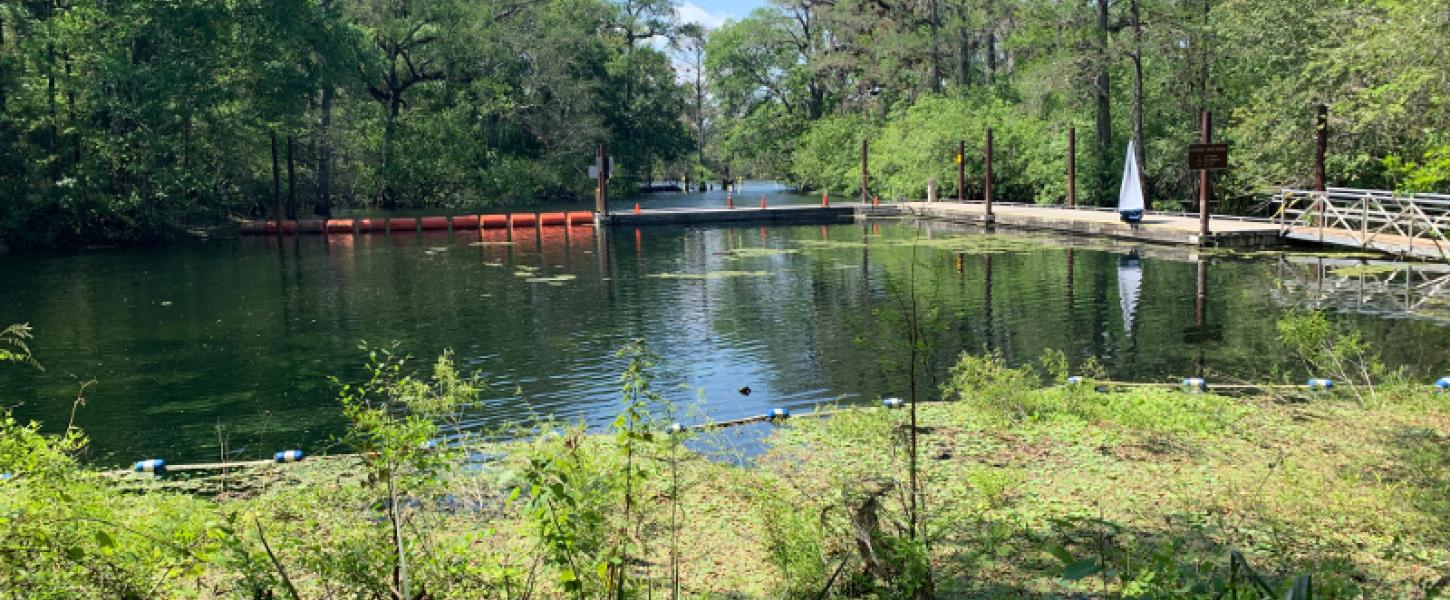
{"x": 1137, "y": 83}
{"x": 389, "y": 129}
{"x": 291, "y": 178}
{"x": 935, "y": 48}
{"x": 1104, "y": 102}
{"x": 991, "y": 46}
{"x": 276, "y": 181}
{"x": 324, "y": 155}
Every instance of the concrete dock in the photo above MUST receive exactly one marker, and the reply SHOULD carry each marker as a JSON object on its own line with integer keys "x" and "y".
{"x": 1156, "y": 227}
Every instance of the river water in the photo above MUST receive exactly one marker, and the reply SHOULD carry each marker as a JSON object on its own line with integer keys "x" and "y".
{"x": 243, "y": 335}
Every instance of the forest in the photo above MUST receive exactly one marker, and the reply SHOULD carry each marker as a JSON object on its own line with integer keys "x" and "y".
{"x": 136, "y": 120}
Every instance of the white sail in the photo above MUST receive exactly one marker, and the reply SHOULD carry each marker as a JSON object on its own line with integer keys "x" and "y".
{"x": 1130, "y": 194}
{"x": 1130, "y": 283}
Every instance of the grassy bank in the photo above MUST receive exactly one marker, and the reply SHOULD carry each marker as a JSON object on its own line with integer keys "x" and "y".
{"x": 1029, "y": 489}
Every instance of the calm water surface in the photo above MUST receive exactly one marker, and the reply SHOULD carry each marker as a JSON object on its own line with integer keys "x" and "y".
{"x": 244, "y": 334}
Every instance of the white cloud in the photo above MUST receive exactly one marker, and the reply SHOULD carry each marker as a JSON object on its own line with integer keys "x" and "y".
{"x": 688, "y": 12}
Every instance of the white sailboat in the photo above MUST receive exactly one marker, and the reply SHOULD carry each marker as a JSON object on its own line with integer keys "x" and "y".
{"x": 1130, "y": 283}
{"x": 1130, "y": 193}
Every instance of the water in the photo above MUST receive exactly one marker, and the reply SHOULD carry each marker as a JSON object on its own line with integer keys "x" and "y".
{"x": 244, "y": 334}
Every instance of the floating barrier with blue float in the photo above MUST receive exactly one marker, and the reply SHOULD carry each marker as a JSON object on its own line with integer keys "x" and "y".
{"x": 1191, "y": 385}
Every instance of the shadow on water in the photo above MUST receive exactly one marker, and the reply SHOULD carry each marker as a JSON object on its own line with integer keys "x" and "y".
{"x": 244, "y": 334}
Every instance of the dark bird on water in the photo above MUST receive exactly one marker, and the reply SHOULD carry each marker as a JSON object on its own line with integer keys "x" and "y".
{"x": 745, "y": 391}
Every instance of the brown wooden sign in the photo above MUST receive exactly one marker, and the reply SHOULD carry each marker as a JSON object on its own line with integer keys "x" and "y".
{"x": 1207, "y": 157}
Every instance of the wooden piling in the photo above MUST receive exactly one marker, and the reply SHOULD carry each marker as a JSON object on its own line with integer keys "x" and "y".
{"x": 865, "y": 194}
{"x": 601, "y": 195}
{"x": 962, "y": 171}
{"x": 988, "y": 173}
{"x": 1206, "y": 136}
{"x": 1071, "y": 167}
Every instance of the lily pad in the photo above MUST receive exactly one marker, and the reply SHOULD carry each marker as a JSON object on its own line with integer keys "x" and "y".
{"x": 710, "y": 275}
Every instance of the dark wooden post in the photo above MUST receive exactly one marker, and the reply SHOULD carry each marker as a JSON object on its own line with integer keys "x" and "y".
{"x": 1321, "y": 146}
{"x": 962, "y": 171}
{"x": 1205, "y": 135}
{"x": 277, "y": 185}
{"x": 291, "y": 178}
{"x": 988, "y": 173}
{"x": 865, "y": 195}
{"x": 1071, "y": 167}
{"x": 601, "y": 196}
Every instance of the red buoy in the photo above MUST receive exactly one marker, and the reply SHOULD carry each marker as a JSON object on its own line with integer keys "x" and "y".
{"x": 434, "y": 223}
{"x": 465, "y": 222}
{"x": 339, "y": 225}
{"x": 582, "y": 217}
{"x": 288, "y": 227}
{"x": 494, "y": 221}
{"x": 553, "y": 219}
{"x": 370, "y": 225}
{"x": 524, "y": 219}
{"x": 403, "y": 225}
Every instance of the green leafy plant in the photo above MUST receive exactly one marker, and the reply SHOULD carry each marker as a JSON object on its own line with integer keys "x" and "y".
{"x": 1332, "y": 350}
{"x": 394, "y": 420}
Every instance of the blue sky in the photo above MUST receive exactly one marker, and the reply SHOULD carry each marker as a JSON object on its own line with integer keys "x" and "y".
{"x": 712, "y": 12}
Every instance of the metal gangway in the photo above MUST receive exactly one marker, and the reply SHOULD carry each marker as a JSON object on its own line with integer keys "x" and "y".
{"x": 1412, "y": 225}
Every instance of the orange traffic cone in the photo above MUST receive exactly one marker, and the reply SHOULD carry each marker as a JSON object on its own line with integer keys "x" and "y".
{"x": 825, "y": 199}
{"x": 762, "y": 200}
{"x": 876, "y": 201}
{"x": 730, "y": 201}
{"x": 636, "y": 208}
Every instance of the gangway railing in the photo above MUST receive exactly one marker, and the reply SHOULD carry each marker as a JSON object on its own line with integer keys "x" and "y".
{"x": 1374, "y": 219}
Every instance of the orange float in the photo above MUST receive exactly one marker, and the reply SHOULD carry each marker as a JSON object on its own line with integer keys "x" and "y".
{"x": 288, "y": 227}
{"x": 403, "y": 225}
{"x": 523, "y": 219}
{"x": 311, "y": 226}
{"x": 494, "y": 221}
{"x": 434, "y": 223}
{"x": 582, "y": 217}
{"x": 369, "y": 225}
{"x": 553, "y": 219}
{"x": 339, "y": 225}
{"x": 465, "y": 222}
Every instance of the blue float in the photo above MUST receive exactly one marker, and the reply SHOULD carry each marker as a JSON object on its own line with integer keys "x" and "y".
{"x": 675, "y": 428}
{"x": 1194, "y": 385}
{"x": 151, "y": 465}
{"x": 6, "y": 476}
{"x": 779, "y": 413}
{"x": 893, "y": 403}
{"x": 1443, "y": 383}
{"x": 1320, "y": 384}
{"x": 428, "y": 445}
{"x": 289, "y": 456}
{"x": 1075, "y": 380}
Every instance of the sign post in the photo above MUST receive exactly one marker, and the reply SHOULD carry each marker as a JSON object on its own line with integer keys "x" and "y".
{"x": 1206, "y": 156}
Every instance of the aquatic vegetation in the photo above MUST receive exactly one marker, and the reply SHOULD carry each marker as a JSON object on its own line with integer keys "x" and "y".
{"x": 710, "y": 275}
{"x": 758, "y": 252}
